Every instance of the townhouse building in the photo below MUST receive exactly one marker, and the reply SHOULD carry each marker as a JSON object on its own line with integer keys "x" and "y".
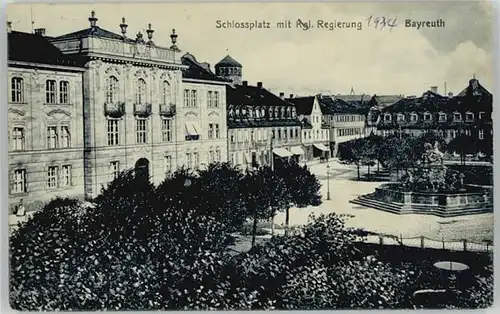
{"x": 346, "y": 121}
{"x": 315, "y": 132}
{"x": 469, "y": 113}
{"x": 204, "y": 114}
{"x": 261, "y": 126}
{"x": 45, "y": 121}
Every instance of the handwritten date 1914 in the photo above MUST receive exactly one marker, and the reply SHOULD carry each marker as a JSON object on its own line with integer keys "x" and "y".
{"x": 380, "y": 22}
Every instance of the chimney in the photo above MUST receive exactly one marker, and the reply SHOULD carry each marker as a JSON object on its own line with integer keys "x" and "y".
{"x": 40, "y": 31}
{"x": 259, "y": 84}
{"x": 291, "y": 95}
{"x": 434, "y": 89}
{"x": 245, "y": 83}
{"x": 9, "y": 27}
{"x": 282, "y": 95}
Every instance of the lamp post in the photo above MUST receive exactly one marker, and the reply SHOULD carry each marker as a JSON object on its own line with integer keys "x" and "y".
{"x": 327, "y": 180}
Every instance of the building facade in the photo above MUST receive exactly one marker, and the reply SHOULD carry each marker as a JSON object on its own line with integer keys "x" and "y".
{"x": 469, "y": 113}
{"x": 261, "y": 126}
{"x": 204, "y": 113}
{"x": 45, "y": 122}
{"x": 345, "y": 121}
{"x": 145, "y": 106}
{"x": 315, "y": 132}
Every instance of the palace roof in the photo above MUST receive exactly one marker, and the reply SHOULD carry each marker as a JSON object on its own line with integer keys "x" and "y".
{"x": 36, "y": 48}
{"x": 198, "y": 70}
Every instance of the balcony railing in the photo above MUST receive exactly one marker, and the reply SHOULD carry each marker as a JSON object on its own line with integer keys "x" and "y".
{"x": 167, "y": 109}
{"x": 142, "y": 110}
{"x": 114, "y": 110}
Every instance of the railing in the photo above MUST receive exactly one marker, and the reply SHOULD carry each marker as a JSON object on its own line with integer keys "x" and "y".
{"x": 142, "y": 110}
{"x": 167, "y": 109}
{"x": 429, "y": 243}
{"x": 114, "y": 110}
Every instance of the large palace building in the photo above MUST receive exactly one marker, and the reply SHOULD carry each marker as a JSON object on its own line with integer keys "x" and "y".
{"x": 86, "y": 105}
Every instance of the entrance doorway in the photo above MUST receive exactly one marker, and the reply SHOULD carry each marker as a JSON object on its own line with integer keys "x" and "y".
{"x": 142, "y": 168}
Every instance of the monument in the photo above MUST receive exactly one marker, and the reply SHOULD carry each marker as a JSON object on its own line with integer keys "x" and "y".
{"x": 430, "y": 188}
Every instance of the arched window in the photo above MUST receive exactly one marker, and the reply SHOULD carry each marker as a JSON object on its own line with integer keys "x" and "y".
{"x": 164, "y": 92}
{"x": 111, "y": 89}
{"x": 140, "y": 91}
{"x": 271, "y": 112}
{"x": 17, "y": 90}
{"x": 263, "y": 113}
{"x": 277, "y": 113}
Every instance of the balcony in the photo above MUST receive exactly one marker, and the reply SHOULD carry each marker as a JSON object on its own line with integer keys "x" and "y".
{"x": 142, "y": 110}
{"x": 167, "y": 110}
{"x": 114, "y": 110}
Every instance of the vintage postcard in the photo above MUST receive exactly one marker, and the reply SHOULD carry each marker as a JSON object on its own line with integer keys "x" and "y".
{"x": 250, "y": 156}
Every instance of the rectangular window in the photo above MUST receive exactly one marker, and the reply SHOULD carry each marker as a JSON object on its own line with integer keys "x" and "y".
{"x": 217, "y": 131}
{"x": 218, "y": 156}
{"x": 166, "y": 130}
{"x": 65, "y": 137}
{"x": 211, "y": 157}
{"x": 469, "y": 116}
{"x": 189, "y": 160}
{"x": 50, "y": 92}
{"x": 113, "y": 138}
{"x": 114, "y": 169}
{"x": 457, "y": 116}
{"x": 193, "y": 99}
{"x": 481, "y": 134}
{"x": 167, "y": 164}
{"x": 427, "y": 117}
{"x": 232, "y": 138}
{"x": 186, "y": 98}
{"x": 64, "y": 92}
{"x": 233, "y": 158}
{"x": 279, "y": 134}
{"x": 481, "y": 115}
{"x": 52, "y": 177}
{"x": 141, "y": 129}
{"x": 210, "y": 130}
{"x": 17, "y": 90}
{"x": 19, "y": 181}
{"x": 196, "y": 160}
{"x": 66, "y": 175}
{"x": 18, "y": 138}
{"x": 216, "y": 99}
{"x": 52, "y": 137}
{"x": 442, "y": 117}
{"x": 209, "y": 99}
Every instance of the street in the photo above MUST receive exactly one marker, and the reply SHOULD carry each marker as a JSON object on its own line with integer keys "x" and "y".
{"x": 344, "y": 187}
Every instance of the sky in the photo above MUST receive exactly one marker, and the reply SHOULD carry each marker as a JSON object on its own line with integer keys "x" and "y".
{"x": 393, "y": 60}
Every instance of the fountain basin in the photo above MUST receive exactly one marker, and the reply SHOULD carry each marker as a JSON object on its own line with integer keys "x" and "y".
{"x": 392, "y": 197}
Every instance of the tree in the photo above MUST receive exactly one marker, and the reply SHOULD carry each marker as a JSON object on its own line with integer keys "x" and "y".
{"x": 218, "y": 189}
{"x": 364, "y": 150}
{"x": 264, "y": 194}
{"x": 303, "y": 188}
{"x": 463, "y": 144}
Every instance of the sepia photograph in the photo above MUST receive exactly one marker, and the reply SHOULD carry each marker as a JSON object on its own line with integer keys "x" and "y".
{"x": 250, "y": 156}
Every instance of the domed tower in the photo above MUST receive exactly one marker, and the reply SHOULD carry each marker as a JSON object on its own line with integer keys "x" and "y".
{"x": 230, "y": 69}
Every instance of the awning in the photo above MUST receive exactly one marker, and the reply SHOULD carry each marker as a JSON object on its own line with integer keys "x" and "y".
{"x": 321, "y": 147}
{"x": 282, "y": 152}
{"x": 297, "y": 150}
{"x": 191, "y": 128}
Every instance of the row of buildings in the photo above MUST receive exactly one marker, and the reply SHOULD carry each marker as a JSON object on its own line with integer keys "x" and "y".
{"x": 86, "y": 105}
